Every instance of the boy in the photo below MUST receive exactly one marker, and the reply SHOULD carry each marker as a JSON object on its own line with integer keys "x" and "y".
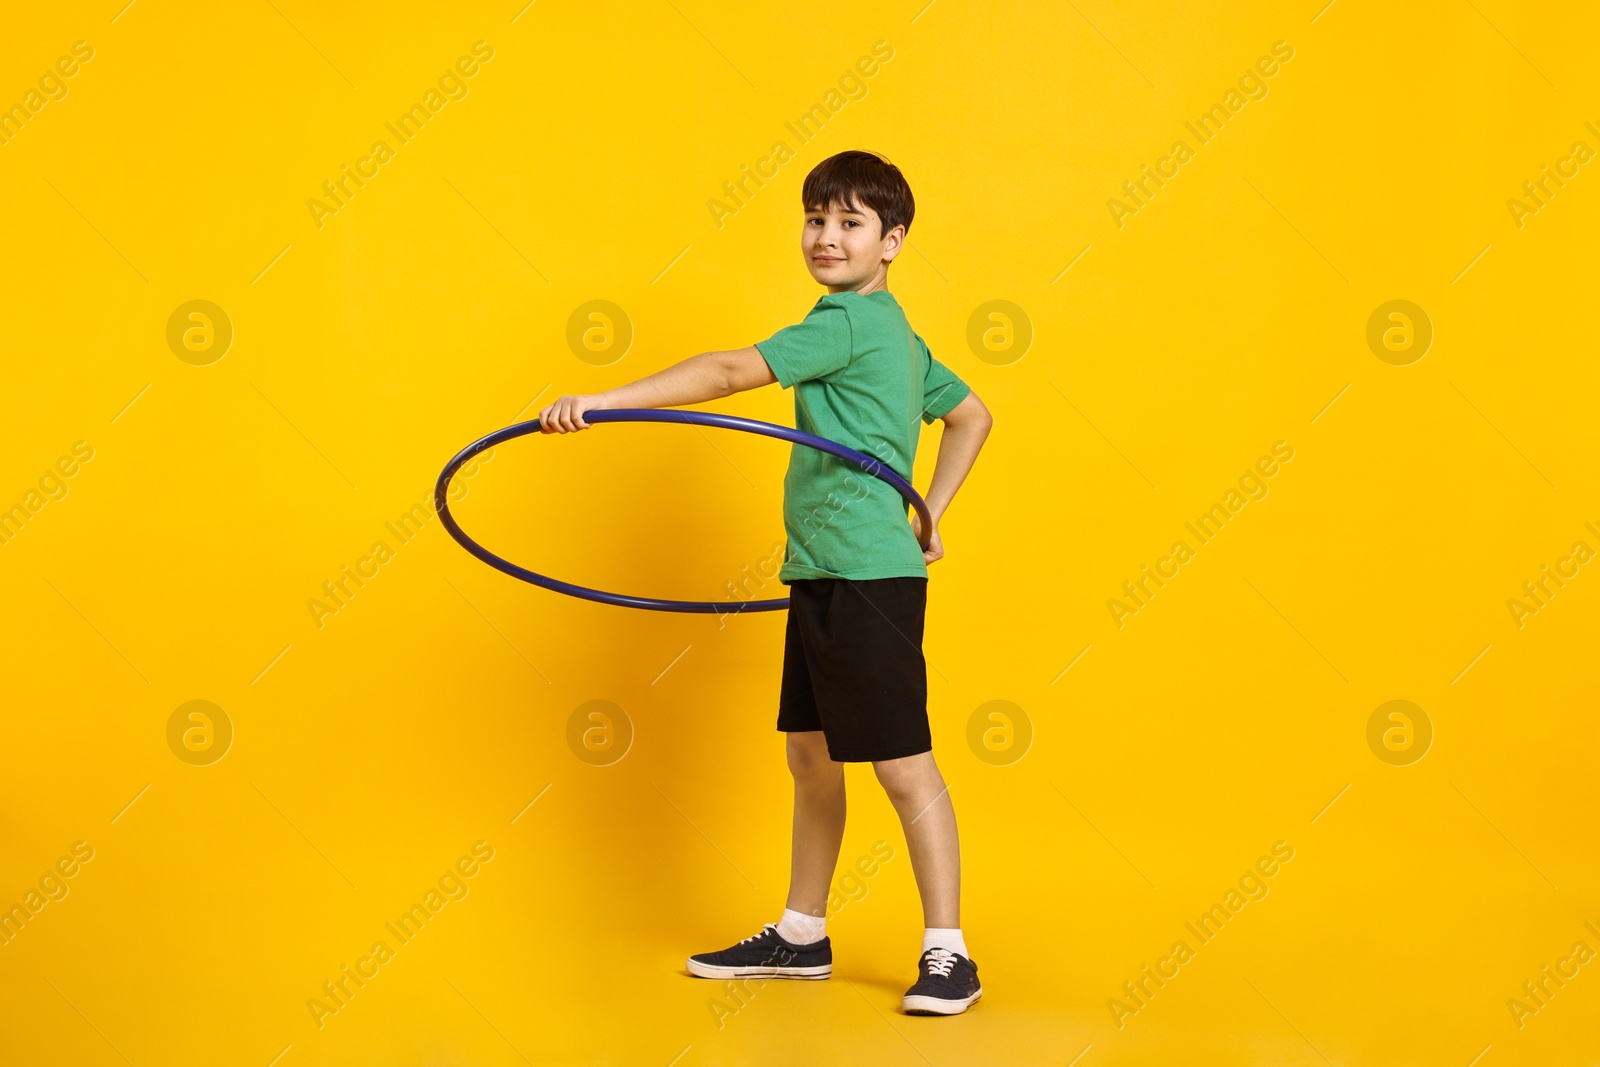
{"x": 854, "y": 679}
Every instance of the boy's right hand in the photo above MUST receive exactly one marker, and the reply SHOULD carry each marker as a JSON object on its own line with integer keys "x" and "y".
{"x": 566, "y": 414}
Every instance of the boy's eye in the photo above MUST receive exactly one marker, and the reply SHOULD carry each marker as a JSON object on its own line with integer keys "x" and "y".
{"x": 851, "y": 222}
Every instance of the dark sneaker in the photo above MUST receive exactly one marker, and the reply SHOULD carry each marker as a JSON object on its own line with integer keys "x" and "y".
{"x": 947, "y": 984}
{"x": 766, "y": 955}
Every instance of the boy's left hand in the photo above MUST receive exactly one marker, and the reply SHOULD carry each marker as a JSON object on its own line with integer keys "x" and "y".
{"x": 566, "y": 414}
{"x": 935, "y": 549}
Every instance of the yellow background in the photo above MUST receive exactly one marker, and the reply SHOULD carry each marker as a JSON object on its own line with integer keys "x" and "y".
{"x": 372, "y": 752}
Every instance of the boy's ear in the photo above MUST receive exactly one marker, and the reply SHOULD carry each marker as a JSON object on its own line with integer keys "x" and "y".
{"x": 893, "y": 241}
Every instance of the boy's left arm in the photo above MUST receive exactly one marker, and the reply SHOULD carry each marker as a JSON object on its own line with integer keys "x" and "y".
{"x": 708, "y": 376}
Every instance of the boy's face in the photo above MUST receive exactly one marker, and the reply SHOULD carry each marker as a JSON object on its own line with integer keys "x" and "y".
{"x": 845, "y": 249}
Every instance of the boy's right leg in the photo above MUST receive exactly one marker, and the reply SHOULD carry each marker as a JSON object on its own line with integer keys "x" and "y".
{"x": 819, "y": 812}
{"x": 796, "y": 946}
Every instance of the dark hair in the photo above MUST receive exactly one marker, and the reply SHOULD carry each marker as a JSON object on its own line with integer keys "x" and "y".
{"x": 854, "y": 178}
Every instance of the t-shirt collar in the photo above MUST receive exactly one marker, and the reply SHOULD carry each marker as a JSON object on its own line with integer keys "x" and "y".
{"x": 886, "y": 294}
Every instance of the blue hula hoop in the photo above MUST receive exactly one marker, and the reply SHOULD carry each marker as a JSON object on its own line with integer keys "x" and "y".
{"x": 868, "y": 464}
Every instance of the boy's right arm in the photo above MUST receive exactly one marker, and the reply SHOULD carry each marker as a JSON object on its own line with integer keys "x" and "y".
{"x": 708, "y": 376}
{"x": 965, "y": 427}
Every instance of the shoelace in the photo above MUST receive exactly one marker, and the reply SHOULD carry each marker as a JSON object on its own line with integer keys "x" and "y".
{"x": 940, "y": 960}
{"x": 763, "y": 933}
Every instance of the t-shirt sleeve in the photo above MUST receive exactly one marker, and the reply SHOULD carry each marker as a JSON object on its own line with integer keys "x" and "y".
{"x": 941, "y": 389}
{"x": 812, "y": 348}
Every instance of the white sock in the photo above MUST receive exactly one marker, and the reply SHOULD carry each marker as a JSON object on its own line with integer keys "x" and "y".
{"x": 939, "y": 937}
{"x": 798, "y": 928}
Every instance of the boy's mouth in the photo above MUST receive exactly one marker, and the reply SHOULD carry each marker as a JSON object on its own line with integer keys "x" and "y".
{"x": 827, "y": 261}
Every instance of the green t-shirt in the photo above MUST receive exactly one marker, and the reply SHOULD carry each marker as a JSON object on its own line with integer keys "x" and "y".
{"x": 861, "y": 377}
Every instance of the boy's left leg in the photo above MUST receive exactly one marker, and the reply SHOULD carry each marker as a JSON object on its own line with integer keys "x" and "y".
{"x": 947, "y": 981}
{"x": 922, "y": 800}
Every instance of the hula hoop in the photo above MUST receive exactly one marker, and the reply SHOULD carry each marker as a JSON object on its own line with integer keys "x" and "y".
{"x": 867, "y": 463}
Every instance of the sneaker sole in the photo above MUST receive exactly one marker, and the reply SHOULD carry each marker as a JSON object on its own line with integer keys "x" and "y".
{"x": 920, "y": 1005}
{"x": 707, "y": 970}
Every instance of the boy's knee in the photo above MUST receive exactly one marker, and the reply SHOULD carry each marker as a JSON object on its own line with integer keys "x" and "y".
{"x": 898, "y": 780}
{"x": 808, "y": 756}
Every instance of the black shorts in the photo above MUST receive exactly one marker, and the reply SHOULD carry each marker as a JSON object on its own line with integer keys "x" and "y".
{"x": 853, "y": 666}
